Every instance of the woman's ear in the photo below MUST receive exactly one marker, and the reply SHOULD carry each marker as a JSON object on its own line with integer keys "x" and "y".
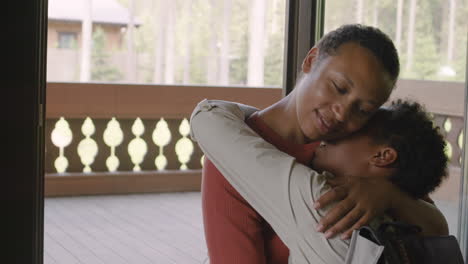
{"x": 384, "y": 157}
{"x": 309, "y": 60}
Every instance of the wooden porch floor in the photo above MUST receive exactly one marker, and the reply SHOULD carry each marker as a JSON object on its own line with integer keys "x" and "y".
{"x": 137, "y": 229}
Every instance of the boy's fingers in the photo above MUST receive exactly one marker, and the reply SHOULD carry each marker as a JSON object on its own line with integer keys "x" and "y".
{"x": 347, "y": 222}
{"x": 364, "y": 220}
{"x": 335, "y": 214}
{"x": 336, "y": 194}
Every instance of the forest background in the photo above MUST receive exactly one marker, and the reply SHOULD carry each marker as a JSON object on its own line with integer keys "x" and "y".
{"x": 241, "y": 42}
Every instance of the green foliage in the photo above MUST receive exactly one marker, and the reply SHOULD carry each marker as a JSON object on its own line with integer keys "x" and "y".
{"x": 239, "y": 42}
{"x": 199, "y": 40}
{"x": 144, "y": 38}
{"x": 461, "y": 34}
{"x": 429, "y": 54}
{"x": 430, "y": 36}
{"x": 426, "y": 57}
{"x": 101, "y": 69}
{"x": 274, "y": 61}
{"x": 274, "y": 54}
{"x": 202, "y": 25}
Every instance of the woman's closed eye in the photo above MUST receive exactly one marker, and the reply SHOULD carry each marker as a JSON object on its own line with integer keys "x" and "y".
{"x": 340, "y": 89}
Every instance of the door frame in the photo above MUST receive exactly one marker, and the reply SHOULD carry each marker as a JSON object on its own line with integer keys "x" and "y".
{"x": 463, "y": 203}
{"x": 24, "y": 87}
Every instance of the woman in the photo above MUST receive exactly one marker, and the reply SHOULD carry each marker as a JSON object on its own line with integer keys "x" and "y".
{"x": 346, "y": 77}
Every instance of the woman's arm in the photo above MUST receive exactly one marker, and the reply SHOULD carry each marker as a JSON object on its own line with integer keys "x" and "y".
{"x": 248, "y": 162}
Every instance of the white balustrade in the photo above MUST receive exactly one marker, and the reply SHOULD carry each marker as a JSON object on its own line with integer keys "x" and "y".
{"x": 460, "y": 140}
{"x": 184, "y": 146}
{"x": 113, "y": 137}
{"x": 61, "y": 137}
{"x": 448, "y": 125}
{"x": 137, "y": 148}
{"x": 161, "y": 137}
{"x": 449, "y": 150}
{"x": 87, "y": 148}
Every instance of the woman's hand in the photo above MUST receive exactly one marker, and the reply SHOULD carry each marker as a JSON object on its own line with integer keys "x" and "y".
{"x": 359, "y": 201}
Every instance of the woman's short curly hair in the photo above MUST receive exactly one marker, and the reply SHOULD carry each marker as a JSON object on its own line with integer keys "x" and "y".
{"x": 422, "y": 162}
{"x": 366, "y": 36}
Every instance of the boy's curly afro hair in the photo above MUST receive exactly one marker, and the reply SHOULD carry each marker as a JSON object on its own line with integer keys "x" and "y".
{"x": 422, "y": 162}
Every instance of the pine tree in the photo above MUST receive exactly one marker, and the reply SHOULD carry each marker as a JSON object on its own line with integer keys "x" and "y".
{"x": 101, "y": 69}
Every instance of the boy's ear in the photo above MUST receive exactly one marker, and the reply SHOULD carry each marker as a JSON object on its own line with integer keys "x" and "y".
{"x": 309, "y": 60}
{"x": 384, "y": 157}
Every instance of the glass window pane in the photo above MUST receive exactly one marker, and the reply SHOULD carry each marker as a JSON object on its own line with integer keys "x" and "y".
{"x": 431, "y": 40}
{"x": 136, "y": 138}
{"x": 168, "y": 42}
{"x": 430, "y": 35}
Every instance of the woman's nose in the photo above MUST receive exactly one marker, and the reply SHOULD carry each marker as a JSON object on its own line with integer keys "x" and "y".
{"x": 341, "y": 110}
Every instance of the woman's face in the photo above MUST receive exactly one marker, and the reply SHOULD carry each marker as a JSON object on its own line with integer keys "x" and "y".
{"x": 338, "y": 94}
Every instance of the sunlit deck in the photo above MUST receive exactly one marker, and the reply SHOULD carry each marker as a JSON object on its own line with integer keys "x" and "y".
{"x": 144, "y": 228}
{"x": 148, "y": 228}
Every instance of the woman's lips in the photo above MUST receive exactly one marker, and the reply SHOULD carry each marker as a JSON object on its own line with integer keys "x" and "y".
{"x": 323, "y": 125}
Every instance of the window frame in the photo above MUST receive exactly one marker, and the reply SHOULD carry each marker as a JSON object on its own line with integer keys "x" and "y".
{"x": 463, "y": 203}
{"x": 304, "y": 27}
{"x": 23, "y": 184}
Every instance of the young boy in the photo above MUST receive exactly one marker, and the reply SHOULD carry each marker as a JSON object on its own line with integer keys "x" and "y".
{"x": 398, "y": 143}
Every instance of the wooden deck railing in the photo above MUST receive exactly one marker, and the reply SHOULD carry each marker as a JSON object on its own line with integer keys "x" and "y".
{"x": 116, "y": 138}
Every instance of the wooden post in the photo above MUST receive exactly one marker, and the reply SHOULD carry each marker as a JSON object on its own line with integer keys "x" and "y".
{"x": 411, "y": 30}
{"x": 399, "y": 19}
{"x": 256, "y": 46}
{"x": 86, "y": 42}
{"x": 225, "y": 45}
{"x": 131, "y": 62}
{"x": 169, "y": 46}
